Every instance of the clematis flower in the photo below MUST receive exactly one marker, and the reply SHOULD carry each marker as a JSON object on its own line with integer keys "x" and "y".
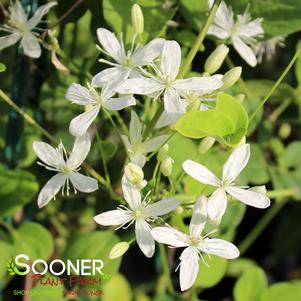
{"x": 20, "y": 27}
{"x": 83, "y": 96}
{"x": 241, "y": 33}
{"x": 236, "y": 162}
{"x": 136, "y": 146}
{"x": 134, "y": 175}
{"x": 140, "y": 213}
{"x": 166, "y": 83}
{"x": 56, "y": 159}
{"x": 194, "y": 243}
{"x": 126, "y": 63}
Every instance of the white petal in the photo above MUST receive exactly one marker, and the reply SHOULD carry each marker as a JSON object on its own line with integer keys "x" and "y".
{"x": 135, "y": 131}
{"x": 38, "y": 15}
{"x": 30, "y": 45}
{"x": 162, "y": 207}
{"x": 218, "y": 31}
{"x": 170, "y": 236}
{"x": 219, "y": 247}
{"x": 147, "y": 53}
{"x": 79, "y": 94}
{"x": 109, "y": 74}
{"x": 171, "y": 59}
{"x": 141, "y": 85}
{"x": 126, "y": 142}
{"x": 47, "y": 153}
{"x": 138, "y": 159}
{"x": 199, "y": 217}
{"x": 189, "y": 268}
{"x": 83, "y": 183}
{"x": 119, "y": 103}
{"x": 144, "y": 238}
{"x": 224, "y": 16}
{"x": 131, "y": 194}
{"x": 244, "y": 51}
{"x": 155, "y": 143}
{"x": 236, "y": 162}
{"x": 9, "y": 40}
{"x": 249, "y": 197}
{"x": 80, "y": 124}
{"x": 173, "y": 104}
{"x": 80, "y": 151}
{"x": 200, "y": 173}
{"x": 163, "y": 121}
{"x": 17, "y": 13}
{"x": 205, "y": 83}
{"x": 250, "y": 29}
{"x": 217, "y": 205}
{"x": 110, "y": 44}
{"x": 113, "y": 218}
{"x": 50, "y": 189}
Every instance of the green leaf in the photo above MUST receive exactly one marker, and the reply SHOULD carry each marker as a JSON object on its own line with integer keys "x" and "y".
{"x": 284, "y": 291}
{"x": 34, "y": 240}
{"x": 292, "y": 153}
{"x": 212, "y": 275}
{"x": 199, "y": 124}
{"x": 251, "y": 285}
{"x": 2, "y": 67}
{"x": 117, "y": 288}
{"x": 5, "y": 253}
{"x": 18, "y": 187}
{"x": 95, "y": 245}
{"x": 238, "y": 266}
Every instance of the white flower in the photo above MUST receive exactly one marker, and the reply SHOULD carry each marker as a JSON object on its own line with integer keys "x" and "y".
{"x": 167, "y": 84}
{"x": 140, "y": 213}
{"x": 126, "y": 63}
{"x": 134, "y": 175}
{"x": 242, "y": 33}
{"x": 56, "y": 159}
{"x": 83, "y": 96}
{"x": 268, "y": 48}
{"x": 21, "y": 28}
{"x": 136, "y": 146}
{"x": 194, "y": 244}
{"x": 232, "y": 168}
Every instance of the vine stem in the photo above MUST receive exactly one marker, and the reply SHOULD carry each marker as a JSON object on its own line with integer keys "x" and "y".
{"x": 165, "y": 267}
{"x": 275, "y": 86}
{"x": 31, "y": 121}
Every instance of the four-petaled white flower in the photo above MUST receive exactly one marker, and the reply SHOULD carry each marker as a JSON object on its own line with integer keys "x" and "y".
{"x": 242, "y": 33}
{"x": 232, "y": 168}
{"x": 56, "y": 159}
{"x": 140, "y": 213}
{"x": 83, "y": 96}
{"x": 194, "y": 244}
{"x": 20, "y": 27}
{"x": 136, "y": 146}
{"x": 166, "y": 82}
{"x": 127, "y": 63}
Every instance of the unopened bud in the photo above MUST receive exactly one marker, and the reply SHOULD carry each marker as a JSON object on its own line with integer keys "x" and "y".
{"x": 134, "y": 174}
{"x": 240, "y": 97}
{"x": 166, "y": 166}
{"x": 119, "y": 249}
{"x": 216, "y": 59}
{"x": 162, "y": 153}
{"x": 137, "y": 19}
{"x": 206, "y": 144}
{"x": 179, "y": 210}
{"x": 231, "y": 77}
{"x": 285, "y": 130}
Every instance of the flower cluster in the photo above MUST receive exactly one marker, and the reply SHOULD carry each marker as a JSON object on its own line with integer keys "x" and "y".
{"x": 151, "y": 70}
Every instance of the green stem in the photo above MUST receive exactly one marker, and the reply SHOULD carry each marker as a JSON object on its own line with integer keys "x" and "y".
{"x": 165, "y": 266}
{"x": 275, "y": 86}
{"x": 153, "y": 122}
{"x": 121, "y": 122}
{"x": 281, "y": 193}
{"x": 199, "y": 40}
{"x": 279, "y": 110}
{"x": 260, "y": 226}
{"x": 113, "y": 123}
{"x": 31, "y": 121}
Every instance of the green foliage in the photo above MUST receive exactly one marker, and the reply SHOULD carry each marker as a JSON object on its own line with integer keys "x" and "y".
{"x": 2, "y": 67}
{"x": 229, "y": 121}
{"x": 288, "y": 291}
{"x": 250, "y": 285}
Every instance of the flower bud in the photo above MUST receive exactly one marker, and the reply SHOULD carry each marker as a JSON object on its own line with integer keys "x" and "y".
{"x": 231, "y": 77}
{"x": 134, "y": 174}
{"x": 162, "y": 153}
{"x": 285, "y": 130}
{"x": 206, "y": 144}
{"x": 216, "y": 59}
{"x": 137, "y": 19}
{"x": 166, "y": 166}
{"x": 240, "y": 97}
{"x": 119, "y": 249}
